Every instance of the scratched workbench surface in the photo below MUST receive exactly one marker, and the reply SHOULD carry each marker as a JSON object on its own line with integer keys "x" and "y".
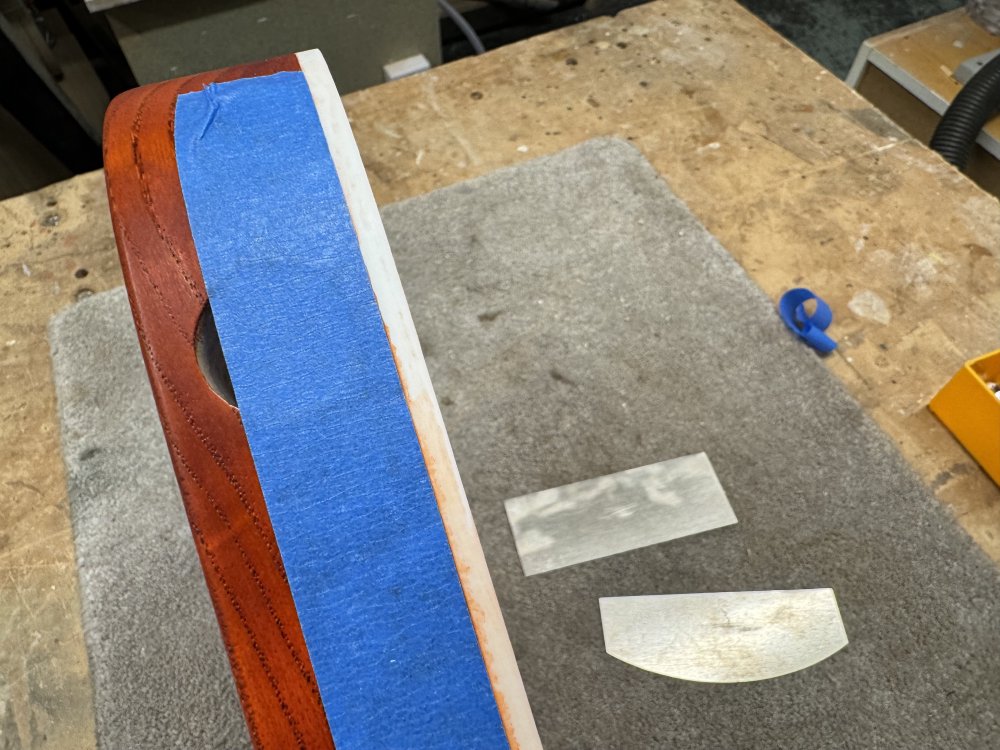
{"x": 801, "y": 180}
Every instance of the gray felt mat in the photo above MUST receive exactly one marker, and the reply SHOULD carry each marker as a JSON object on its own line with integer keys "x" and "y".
{"x": 160, "y": 673}
{"x": 578, "y": 321}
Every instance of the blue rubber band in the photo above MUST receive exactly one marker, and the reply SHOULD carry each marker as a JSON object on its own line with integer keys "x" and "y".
{"x": 809, "y": 328}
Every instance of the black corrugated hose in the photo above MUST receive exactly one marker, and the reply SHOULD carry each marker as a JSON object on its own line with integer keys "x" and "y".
{"x": 974, "y": 105}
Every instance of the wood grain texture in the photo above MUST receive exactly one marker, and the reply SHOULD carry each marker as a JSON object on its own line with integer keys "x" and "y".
{"x": 205, "y": 435}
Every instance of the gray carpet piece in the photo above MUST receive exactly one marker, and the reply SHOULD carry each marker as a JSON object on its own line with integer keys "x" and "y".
{"x": 160, "y": 673}
{"x": 578, "y": 321}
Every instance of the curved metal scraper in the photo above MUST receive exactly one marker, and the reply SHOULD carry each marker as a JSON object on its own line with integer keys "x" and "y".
{"x": 725, "y": 637}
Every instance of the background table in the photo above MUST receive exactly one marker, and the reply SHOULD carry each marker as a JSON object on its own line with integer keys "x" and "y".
{"x": 800, "y": 178}
{"x": 910, "y": 74}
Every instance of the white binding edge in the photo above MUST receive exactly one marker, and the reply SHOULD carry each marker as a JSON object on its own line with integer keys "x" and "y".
{"x": 494, "y": 642}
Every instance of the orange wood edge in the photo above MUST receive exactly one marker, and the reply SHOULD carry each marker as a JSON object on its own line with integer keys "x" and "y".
{"x": 207, "y": 442}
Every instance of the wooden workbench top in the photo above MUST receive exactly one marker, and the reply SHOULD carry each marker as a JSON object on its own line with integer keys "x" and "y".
{"x": 801, "y": 179}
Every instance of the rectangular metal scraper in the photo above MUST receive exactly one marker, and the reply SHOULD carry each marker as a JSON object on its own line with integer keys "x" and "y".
{"x": 616, "y": 513}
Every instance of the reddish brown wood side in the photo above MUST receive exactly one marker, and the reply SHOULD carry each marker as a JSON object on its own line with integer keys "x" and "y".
{"x": 208, "y": 445}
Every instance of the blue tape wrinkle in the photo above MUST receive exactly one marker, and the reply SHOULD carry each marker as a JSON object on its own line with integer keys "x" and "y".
{"x": 810, "y": 328}
{"x": 369, "y": 565}
{"x": 212, "y": 94}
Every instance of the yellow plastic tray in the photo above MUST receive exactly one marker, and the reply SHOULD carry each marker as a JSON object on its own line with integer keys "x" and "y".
{"x": 970, "y": 409}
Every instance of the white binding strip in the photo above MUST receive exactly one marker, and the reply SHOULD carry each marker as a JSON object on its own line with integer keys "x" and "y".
{"x": 498, "y": 655}
{"x": 727, "y": 637}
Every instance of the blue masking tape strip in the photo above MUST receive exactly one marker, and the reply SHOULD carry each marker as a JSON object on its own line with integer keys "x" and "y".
{"x": 368, "y": 562}
{"x": 810, "y": 328}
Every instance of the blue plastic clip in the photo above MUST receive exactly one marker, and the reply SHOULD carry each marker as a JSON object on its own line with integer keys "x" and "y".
{"x": 810, "y": 328}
